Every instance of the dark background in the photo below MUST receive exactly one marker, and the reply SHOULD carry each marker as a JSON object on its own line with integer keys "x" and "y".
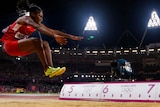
{"x": 119, "y": 22}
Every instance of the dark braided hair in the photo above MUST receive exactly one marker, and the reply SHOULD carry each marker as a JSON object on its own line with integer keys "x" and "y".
{"x": 24, "y": 6}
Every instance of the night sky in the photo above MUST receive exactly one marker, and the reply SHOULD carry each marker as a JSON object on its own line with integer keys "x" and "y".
{"x": 119, "y": 22}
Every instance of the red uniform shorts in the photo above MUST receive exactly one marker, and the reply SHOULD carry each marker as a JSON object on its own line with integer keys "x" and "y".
{"x": 11, "y": 48}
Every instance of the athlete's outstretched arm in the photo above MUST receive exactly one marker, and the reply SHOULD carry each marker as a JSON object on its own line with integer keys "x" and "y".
{"x": 66, "y": 35}
{"x": 58, "y": 35}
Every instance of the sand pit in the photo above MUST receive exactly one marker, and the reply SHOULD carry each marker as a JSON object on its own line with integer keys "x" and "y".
{"x": 53, "y": 101}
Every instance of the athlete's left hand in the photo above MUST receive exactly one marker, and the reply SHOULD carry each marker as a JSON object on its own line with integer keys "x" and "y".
{"x": 60, "y": 39}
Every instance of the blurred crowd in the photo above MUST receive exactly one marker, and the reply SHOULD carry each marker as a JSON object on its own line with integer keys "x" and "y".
{"x": 29, "y": 75}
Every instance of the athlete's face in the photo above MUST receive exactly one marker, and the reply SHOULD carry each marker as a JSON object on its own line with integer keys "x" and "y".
{"x": 38, "y": 17}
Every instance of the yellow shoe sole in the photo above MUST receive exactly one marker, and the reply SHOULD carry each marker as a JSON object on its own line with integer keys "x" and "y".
{"x": 58, "y": 72}
{"x": 55, "y": 70}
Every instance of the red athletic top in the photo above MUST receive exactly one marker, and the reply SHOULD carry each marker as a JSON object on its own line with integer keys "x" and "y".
{"x": 10, "y": 33}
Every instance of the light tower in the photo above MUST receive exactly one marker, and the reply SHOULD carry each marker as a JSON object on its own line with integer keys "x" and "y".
{"x": 91, "y": 25}
{"x": 154, "y": 22}
{"x": 91, "y": 28}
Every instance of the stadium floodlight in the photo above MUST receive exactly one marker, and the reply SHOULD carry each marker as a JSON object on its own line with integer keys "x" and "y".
{"x": 90, "y": 28}
{"x": 90, "y": 25}
{"x": 153, "y": 22}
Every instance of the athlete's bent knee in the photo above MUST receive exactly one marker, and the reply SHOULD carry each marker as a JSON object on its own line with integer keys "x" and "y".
{"x": 37, "y": 42}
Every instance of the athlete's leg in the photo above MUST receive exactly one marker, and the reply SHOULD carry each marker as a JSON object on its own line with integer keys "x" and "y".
{"x": 49, "y": 60}
{"x": 42, "y": 49}
{"x": 33, "y": 45}
{"x": 48, "y": 53}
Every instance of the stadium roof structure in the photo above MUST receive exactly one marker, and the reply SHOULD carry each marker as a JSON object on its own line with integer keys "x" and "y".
{"x": 126, "y": 40}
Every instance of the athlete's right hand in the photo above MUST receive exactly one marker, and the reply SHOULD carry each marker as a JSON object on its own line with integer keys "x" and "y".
{"x": 76, "y": 37}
